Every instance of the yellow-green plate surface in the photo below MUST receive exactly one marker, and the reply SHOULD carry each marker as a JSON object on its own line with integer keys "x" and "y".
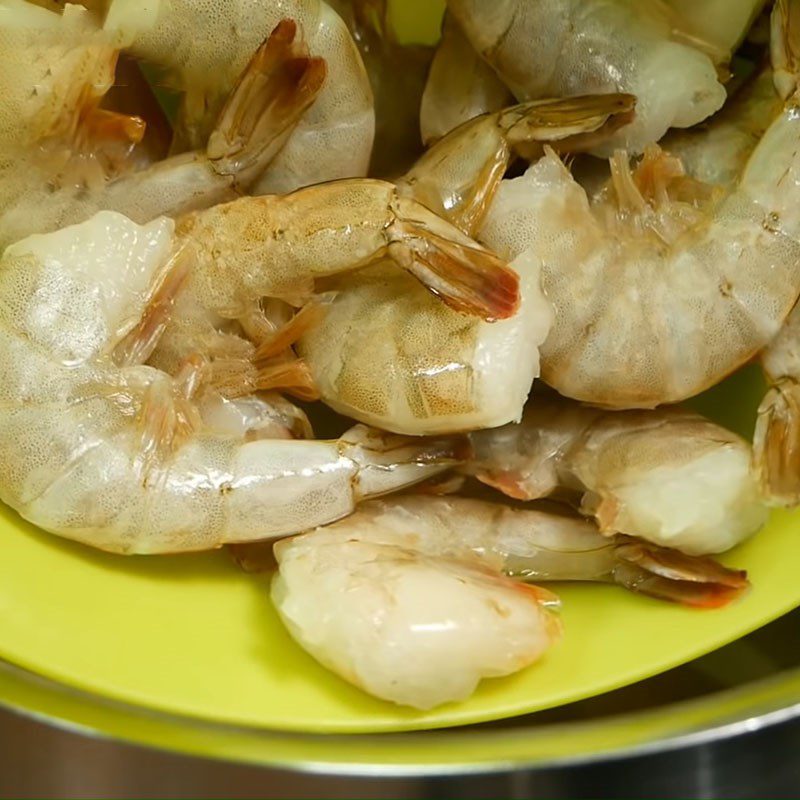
{"x": 193, "y": 636}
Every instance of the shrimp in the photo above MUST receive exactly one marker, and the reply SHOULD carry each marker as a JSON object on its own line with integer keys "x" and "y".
{"x": 422, "y": 577}
{"x": 277, "y": 87}
{"x": 99, "y": 448}
{"x": 397, "y": 74}
{"x": 542, "y": 48}
{"x": 667, "y": 285}
{"x": 663, "y": 285}
{"x": 387, "y": 353}
{"x": 204, "y": 45}
{"x": 55, "y": 69}
{"x": 776, "y": 456}
{"x": 722, "y": 24}
{"x": 716, "y": 153}
{"x": 278, "y": 246}
{"x": 668, "y": 476}
{"x": 460, "y": 86}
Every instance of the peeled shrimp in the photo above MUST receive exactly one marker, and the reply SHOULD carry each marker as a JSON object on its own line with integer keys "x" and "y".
{"x": 777, "y": 437}
{"x": 278, "y": 246}
{"x": 386, "y": 596}
{"x": 542, "y": 48}
{"x": 460, "y": 86}
{"x": 663, "y": 286}
{"x": 722, "y": 24}
{"x": 387, "y": 353}
{"x": 98, "y": 448}
{"x": 668, "y": 476}
{"x": 203, "y": 45}
{"x": 397, "y": 74}
{"x": 279, "y": 84}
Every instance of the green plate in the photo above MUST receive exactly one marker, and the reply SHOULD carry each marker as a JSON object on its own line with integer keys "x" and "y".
{"x": 192, "y": 636}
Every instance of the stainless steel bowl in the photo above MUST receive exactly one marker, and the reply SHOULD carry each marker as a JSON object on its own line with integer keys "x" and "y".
{"x": 725, "y": 725}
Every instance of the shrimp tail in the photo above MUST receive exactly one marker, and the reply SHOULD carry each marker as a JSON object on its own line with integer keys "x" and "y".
{"x": 272, "y": 365}
{"x": 279, "y": 84}
{"x": 465, "y": 276}
{"x": 569, "y": 124}
{"x": 785, "y": 46}
{"x": 235, "y": 378}
{"x": 667, "y": 574}
{"x": 776, "y": 444}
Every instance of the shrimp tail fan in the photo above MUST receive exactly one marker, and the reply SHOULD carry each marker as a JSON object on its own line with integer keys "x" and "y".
{"x": 465, "y": 276}
{"x": 776, "y": 444}
{"x": 273, "y": 92}
{"x": 671, "y": 575}
{"x": 569, "y": 124}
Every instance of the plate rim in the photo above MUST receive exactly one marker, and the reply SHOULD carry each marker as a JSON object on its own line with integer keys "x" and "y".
{"x": 463, "y": 750}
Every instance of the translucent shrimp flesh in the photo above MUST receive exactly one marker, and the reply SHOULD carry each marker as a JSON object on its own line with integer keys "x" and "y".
{"x": 722, "y": 24}
{"x": 203, "y": 45}
{"x": 542, "y": 48}
{"x": 668, "y": 476}
{"x": 460, "y": 86}
{"x": 387, "y": 595}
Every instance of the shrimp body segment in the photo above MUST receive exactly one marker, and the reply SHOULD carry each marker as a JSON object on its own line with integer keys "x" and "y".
{"x": 542, "y": 48}
{"x": 668, "y": 476}
{"x": 386, "y": 618}
{"x": 460, "y": 86}
{"x": 118, "y": 456}
{"x": 203, "y": 45}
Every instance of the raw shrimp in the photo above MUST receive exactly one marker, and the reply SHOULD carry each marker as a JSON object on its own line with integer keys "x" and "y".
{"x": 722, "y": 24}
{"x": 278, "y": 246}
{"x": 460, "y": 87}
{"x": 663, "y": 286}
{"x": 386, "y": 618}
{"x": 204, "y": 45}
{"x": 98, "y": 448}
{"x": 387, "y": 595}
{"x": 777, "y": 437}
{"x": 54, "y": 71}
{"x": 279, "y": 84}
{"x": 397, "y": 74}
{"x": 668, "y": 476}
{"x": 546, "y": 48}
{"x": 716, "y": 153}
{"x": 387, "y": 353}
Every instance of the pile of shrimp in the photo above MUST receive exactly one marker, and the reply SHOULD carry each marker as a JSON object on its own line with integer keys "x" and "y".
{"x": 488, "y": 272}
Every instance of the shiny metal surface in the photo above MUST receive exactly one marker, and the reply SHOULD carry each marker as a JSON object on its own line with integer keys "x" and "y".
{"x": 726, "y": 725}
